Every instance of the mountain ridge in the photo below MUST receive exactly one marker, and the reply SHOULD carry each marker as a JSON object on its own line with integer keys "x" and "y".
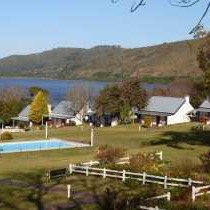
{"x": 104, "y": 62}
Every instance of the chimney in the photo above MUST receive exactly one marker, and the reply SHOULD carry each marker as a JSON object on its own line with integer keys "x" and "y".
{"x": 49, "y": 108}
{"x": 187, "y": 98}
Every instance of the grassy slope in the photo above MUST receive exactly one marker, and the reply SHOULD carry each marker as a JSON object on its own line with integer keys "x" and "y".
{"x": 107, "y": 63}
{"x": 176, "y": 142}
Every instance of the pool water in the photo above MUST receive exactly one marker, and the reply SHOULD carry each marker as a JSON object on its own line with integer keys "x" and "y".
{"x": 38, "y": 145}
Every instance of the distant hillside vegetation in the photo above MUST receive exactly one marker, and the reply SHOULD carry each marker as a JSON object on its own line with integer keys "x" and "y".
{"x": 107, "y": 62}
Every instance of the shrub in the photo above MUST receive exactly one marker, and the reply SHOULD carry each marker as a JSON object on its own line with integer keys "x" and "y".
{"x": 205, "y": 161}
{"x": 186, "y": 168}
{"x": 144, "y": 162}
{"x": 6, "y": 136}
{"x": 21, "y": 125}
{"x": 147, "y": 121}
{"x": 197, "y": 128}
{"x": 41, "y": 127}
{"x": 108, "y": 154}
{"x": 71, "y": 123}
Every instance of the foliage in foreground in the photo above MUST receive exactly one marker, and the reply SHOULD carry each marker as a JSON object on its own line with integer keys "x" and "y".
{"x": 6, "y": 136}
{"x": 108, "y": 154}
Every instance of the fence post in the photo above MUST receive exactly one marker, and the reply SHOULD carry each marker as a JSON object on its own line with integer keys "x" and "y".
{"x": 87, "y": 170}
{"x": 189, "y": 181}
{"x": 168, "y": 196}
{"x": 104, "y": 174}
{"x": 70, "y": 169}
{"x": 123, "y": 175}
{"x": 68, "y": 191}
{"x": 91, "y": 137}
{"x": 193, "y": 193}
{"x": 165, "y": 182}
{"x": 161, "y": 155}
{"x": 144, "y": 178}
{"x": 156, "y": 208}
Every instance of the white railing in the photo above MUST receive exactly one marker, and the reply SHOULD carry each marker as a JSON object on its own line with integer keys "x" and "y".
{"x": 12, "y": 130}
{"x": 149, "y": 208}
{"x": 167, "y": 196}
{"x": 124, "y": 160}
{"x": 196, "y": 191}
{"x": 90, "y": 163}
{"x": 141, "y": 177}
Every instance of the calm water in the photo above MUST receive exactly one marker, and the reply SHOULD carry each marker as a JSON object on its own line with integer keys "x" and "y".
{"x": 58, "y": 88}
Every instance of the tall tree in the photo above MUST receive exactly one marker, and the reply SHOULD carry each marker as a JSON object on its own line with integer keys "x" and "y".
{"x": 12, "y": 101}
{"x": 132, "y": 94}
{"x": 108, "y": 100}
{"x": 81, "y": 95}
{"x": 38, "y": 108}
{"x": 204, "y": 62}
{"x": 118, "y": 99}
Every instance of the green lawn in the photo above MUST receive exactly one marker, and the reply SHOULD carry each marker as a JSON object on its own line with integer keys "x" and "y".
{"x": 177, "y": 142}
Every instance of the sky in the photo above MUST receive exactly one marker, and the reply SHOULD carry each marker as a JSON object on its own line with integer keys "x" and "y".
{"x": 30, "y": 26}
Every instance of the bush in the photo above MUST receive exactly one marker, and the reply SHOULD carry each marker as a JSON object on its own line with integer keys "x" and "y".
{"x": 6, "y": 136}
{"x": 21, "y": 125}
{"x": 108, "y": 154}
{"x": 71, "y": 123}
{"x": 144, "y": 162}
{"x": 41, "y": 127}
{"x": 185, "y": 168}
{"x": 205, "y": 161}
{"x": 147, "y": 121}
{"x": 197, "y": 128}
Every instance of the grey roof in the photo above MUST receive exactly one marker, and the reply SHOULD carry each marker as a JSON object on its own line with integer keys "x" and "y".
{"x": 161, "y": 105}
{"x": 25, "y": 111}
{"x": 204, "y": 107}
{"x": 23, "y": 115}
{"x": 19, "y": 118}
{"x": 205, "y": 104}
{"x": 63, "y": 110}
{"x": 201, "y": 109}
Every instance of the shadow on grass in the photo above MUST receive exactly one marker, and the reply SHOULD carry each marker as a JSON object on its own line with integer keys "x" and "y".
{"x": 175, "y": 139}
{"x": 29, "y": 191}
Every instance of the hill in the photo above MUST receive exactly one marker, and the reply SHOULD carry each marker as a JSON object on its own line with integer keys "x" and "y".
{"x": 107, "y": 62}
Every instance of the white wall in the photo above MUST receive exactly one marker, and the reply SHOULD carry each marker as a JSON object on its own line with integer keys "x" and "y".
{"x": 181, "y": 115}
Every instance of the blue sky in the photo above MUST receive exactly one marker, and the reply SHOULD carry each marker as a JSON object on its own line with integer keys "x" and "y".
{"x": 28, "y": 26}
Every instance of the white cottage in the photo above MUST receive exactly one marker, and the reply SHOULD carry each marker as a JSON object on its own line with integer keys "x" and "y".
{"x": 203, "y": 112}
{"x": 167, "y": 110}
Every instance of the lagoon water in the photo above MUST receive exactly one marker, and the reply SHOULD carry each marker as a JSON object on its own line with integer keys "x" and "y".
{"x": 58, "y": 88}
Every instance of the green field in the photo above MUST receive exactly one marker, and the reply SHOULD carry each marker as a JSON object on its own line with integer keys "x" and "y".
{"x": 21, "y": 174}
{"x": 177, "y": 142}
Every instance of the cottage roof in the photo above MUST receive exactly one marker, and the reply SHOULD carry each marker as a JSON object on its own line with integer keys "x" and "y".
{"x": 161, "y": 105}
{"x": 204, "y": 107}
{"x": 23, "y": 115}
{"x": 63, "y": 110}
{"x": 25, "y": 111}
{"x": 205, "y": 104}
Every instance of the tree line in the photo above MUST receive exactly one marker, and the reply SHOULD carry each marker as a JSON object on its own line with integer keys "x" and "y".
{"x": 116, "y": 99}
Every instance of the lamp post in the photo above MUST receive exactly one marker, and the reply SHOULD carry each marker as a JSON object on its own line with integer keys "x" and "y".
{"x": 46, "y": 130}
{"x": 91, "y": 137}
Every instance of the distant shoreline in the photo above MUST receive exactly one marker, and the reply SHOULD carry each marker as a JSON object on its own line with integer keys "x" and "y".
{"x": 145, "y": 79}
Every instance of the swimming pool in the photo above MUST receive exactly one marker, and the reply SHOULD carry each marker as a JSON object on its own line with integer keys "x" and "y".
{"x": 38, "y": 145}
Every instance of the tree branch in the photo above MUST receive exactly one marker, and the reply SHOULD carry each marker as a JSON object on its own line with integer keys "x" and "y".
{"x": 183, "y": 3}
{"x": 176, "y": 3}
{"x": 201, "y": 19}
